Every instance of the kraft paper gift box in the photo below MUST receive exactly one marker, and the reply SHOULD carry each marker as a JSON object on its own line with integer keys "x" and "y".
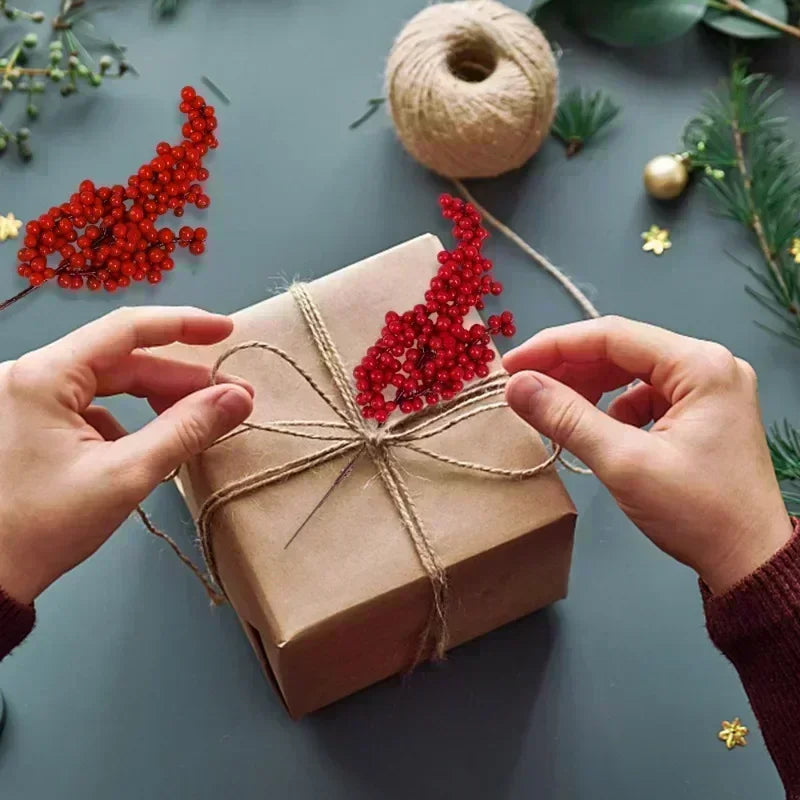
{"x": 345, "y": 604}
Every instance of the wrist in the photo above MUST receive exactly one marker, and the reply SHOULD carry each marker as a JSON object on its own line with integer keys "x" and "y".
{"x": 19, "y": 578}
{"x": 751, "y": 553}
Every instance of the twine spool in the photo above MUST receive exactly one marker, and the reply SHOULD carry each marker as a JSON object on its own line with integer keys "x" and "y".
{"x": 472, "y": 88}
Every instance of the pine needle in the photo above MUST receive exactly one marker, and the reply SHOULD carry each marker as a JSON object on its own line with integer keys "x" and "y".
{"x": 784, "y": 447}
{"x": 581, "y": 116}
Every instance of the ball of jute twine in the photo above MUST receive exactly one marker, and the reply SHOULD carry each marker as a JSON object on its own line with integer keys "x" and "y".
{"x": 472, "y": 88}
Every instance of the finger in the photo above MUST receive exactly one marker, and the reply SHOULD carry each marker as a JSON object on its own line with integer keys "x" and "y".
{"x": 145, "y": 375}
{"x": 639, "y": 405}
{"x": 184, "y": 430}
{"x": 99, "y": 344}
{"x": 569, "y": 419}
{"x": 644, "y": 351}
{"x": 104, "y": 422}
{"x": 592, "y": 380}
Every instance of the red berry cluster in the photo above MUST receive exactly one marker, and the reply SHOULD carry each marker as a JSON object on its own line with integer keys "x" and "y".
{"x": 106, "y": 236}
{"x": 426, "y": 354}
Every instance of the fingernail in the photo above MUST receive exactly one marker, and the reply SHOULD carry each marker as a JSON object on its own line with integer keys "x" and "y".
{"x": 522, "y": 389}
{"x": 236, "y": 380}
{"x": 234, "y": 401}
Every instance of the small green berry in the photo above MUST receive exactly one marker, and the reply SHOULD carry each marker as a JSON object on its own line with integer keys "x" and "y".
{"x": 56, "y": 44}
{"x": 95, "y": 79}
{"x": 37, "y": 87}
{"x": 23, "y": 85}
{"x": 105, "y": 62}
{"x": 25, "y": 152}
{"x": 23, "y": 134}
{"x": 56, "y": 56}
{"x": 38, "y": 16}
{"x": 6, "y": 85}
{"x": 30, "y": 40}
{"x": 12, "y": 13}
{"x": 3, "y": 143}
{"x": 718, "y": 174}
{"x": 3, "y": 63}
{"x": 83, "y": 70}
{"x": 73, "y": 61}
{"x": 56, "y": 74}
{"x": 33, "y": 111}
{"x": 701, "y": 146}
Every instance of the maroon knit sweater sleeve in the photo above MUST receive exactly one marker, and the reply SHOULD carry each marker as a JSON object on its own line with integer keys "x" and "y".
{"x": 756, "y": 624}
{"x": 16, "y": 622}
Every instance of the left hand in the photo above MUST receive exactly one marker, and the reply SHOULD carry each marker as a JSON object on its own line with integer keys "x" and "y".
{"x": 69, "y": 473}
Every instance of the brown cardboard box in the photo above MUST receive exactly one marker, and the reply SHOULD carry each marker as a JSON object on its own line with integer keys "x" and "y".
{"x": 344, "y": 605}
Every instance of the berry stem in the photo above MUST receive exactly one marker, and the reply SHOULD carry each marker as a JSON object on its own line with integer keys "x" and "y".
{"x": 11, "y": 300}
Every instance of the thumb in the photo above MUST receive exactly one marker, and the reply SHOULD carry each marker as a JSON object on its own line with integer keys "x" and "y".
{"x": 569, "y": 419}
{"x": 185, "y": 429}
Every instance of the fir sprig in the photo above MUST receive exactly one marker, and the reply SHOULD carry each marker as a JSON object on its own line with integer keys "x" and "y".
{"x": 580, "y": 116}
{"x": 784, "y": 447}
{"x": 753, "y": 174}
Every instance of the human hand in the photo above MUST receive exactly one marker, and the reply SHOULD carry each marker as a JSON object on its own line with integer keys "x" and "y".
{"x": 69, "y": 473}
{"x": 700, "y": 482}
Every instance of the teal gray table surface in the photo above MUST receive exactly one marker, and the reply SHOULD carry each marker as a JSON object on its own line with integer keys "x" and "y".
{"x": 131, "y": 688}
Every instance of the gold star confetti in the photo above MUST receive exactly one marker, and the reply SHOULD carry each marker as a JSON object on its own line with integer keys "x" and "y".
{"x": 9, "y": 227}
{"x": 733, "y": 734}
{"x": 656, "y": 240}
{"x": 795, "y": 249}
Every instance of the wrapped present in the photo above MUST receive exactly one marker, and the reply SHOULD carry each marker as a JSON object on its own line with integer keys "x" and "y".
{"x": 426, "y": 532}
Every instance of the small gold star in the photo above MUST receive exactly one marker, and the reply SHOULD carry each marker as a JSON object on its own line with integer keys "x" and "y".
{"x": 656, "y": 240}
{"x": 733, "y": 734}
{"x": 9, "y": 227}
{"x": 795, "y": 249}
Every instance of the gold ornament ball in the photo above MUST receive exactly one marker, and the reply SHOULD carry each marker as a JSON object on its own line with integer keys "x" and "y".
{"x": 665, "y": 177}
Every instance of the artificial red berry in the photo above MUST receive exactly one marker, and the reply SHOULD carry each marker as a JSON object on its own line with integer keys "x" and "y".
{"x": 426, "y": 354}
{"x": 112, "y": 227}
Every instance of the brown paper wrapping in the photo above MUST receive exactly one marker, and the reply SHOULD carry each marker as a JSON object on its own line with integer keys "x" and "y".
{"x": 344, "y": 605}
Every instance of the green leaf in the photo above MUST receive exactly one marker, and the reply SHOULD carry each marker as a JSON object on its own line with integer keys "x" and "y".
{"x": 632, "y": 23}
{"x": 734, "y": 24}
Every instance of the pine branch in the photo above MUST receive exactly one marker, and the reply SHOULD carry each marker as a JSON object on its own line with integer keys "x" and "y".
{"x": 753, "y": 176}
{"x": 784, "y": 447}
{"x": 581, "y": 116}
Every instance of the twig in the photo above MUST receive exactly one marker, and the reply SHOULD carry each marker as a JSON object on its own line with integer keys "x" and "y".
{"x": 755, "y": 220}
{"x": 745, "y": 10}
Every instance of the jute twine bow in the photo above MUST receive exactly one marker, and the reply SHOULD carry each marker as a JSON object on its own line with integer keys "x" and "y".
{"x": 356, "y": 436}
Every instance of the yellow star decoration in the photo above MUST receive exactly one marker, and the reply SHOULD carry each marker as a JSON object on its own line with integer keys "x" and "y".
{"x": 656, "y": 240}
{"x": 795, "y": 249}
{"x": 9, "y": 227}
{"x": 733, "y": 734}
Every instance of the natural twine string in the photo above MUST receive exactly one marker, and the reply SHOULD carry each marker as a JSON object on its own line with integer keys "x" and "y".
{"x": 356, "y": 436}
{"x": 471, "y": 87}
{"x": 580, "y": 298}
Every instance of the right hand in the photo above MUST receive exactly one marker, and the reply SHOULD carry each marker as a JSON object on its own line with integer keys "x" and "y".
{"x": 700, "y": 482}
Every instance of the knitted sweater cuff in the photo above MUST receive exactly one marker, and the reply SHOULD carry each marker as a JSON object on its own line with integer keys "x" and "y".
{"x": 16, "y": 622}
{"x": 756, "y": 624}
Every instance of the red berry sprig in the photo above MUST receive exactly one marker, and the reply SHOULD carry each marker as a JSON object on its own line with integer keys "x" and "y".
{"x": 426, "y": 354}
{"x": 106, "y": 237}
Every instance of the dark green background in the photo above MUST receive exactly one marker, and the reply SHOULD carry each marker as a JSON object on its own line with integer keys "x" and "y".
{"x": 131, "y": 688}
